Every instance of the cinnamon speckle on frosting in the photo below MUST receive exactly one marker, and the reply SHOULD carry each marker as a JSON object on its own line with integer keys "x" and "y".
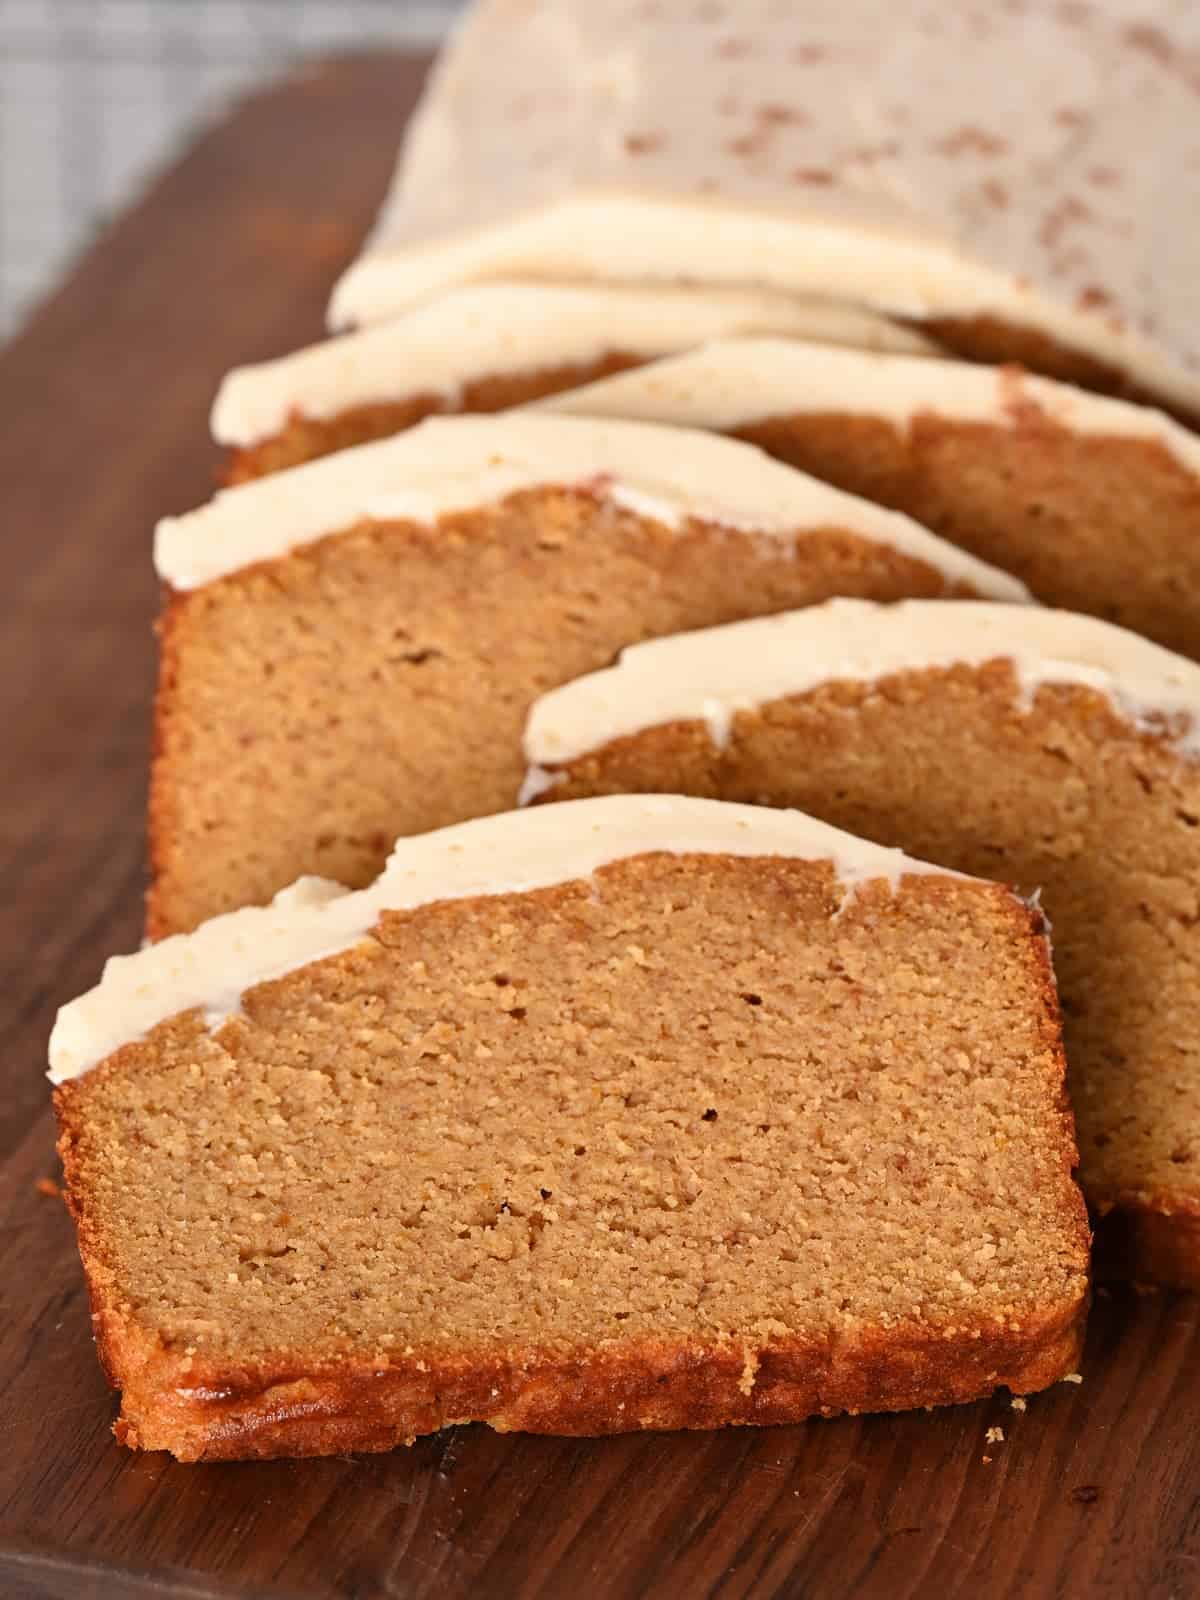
{"x": 995, "y": 192}
{"x": 785, "y": 115}
{"x": 640, "y": 144}
{"x": 1068, "y": 212}
{"x": 1093, "y": 298}
{"x": 866, "y": 155}
{"x": 1160, "y": 47}
{"x": 1153, "y": 41}
{"x": 977, "y": 140}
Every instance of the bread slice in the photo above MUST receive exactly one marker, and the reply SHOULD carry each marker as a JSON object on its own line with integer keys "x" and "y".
{"x": 349, "y": 649}
{"x": 636, "y": 1113}
{"x": 1094, "y": 503}
{"x": 488, "y": 346}
{"x": 1052, "y": 751}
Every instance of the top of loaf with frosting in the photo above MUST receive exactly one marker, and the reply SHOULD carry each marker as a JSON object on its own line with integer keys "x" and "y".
{"x": 1028, "y": 159}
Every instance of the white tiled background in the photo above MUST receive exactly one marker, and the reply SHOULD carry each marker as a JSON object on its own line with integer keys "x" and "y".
{"x": 95, "y": 95}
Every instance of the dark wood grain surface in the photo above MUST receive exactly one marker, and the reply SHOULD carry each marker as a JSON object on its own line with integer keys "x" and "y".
{"x": 1094, "y": 1490}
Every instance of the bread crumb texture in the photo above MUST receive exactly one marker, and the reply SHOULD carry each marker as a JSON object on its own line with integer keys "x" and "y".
{"x": 1063, "y": 795}
{"x": 314, "y": 709}
{"x": 1090, "y": 522}
{"x": 689, "y": 1143}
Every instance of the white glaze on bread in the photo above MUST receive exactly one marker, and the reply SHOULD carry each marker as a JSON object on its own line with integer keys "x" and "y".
{"x": 450, "y": 464}
{"x": 732, "y": 383}
{"x": 713, "y": 673}
{"x": 486, "y": 330}
{"x": 509, "y": 854}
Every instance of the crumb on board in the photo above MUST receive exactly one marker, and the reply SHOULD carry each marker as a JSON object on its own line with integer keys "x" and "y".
{"x": 995, "y": 1436}
{"x": 48, "y": 1187}
{"x": 987, "y": 1460}
{"x": 1073, "y": 1377}
{"x": 1018, "y": 1402}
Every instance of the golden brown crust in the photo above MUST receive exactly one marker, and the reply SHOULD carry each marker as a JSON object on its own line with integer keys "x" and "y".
{"x": 237, "y": 1414}
{"x": 995, "y": 341}
{"x": 306, "y": 438}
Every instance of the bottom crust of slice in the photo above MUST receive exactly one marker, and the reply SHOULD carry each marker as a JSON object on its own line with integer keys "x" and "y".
{"x": 235, "y": 1414}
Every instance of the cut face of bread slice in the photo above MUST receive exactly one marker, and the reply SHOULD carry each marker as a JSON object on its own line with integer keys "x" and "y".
{"x": 679, "y": 142}
{"x": 349, "y": 649}
{"x": 1048, "y": 750}
{"x": 490, "y": 346}
{"x": 1095, "y": 503}
{"x": 638, "y": 1113}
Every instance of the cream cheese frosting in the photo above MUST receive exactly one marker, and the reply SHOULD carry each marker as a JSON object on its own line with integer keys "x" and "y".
{"x": 211, "y": 968}
{"x": 734, "y": 382}
{"x": 1034, "y": 160}
{"x": 710, "y": 675}
{"x": 450, "y": 464}
{"x": 491, "y": 329}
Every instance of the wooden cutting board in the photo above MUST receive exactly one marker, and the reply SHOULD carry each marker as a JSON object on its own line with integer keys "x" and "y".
{"x": 1093, "y": 1491}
